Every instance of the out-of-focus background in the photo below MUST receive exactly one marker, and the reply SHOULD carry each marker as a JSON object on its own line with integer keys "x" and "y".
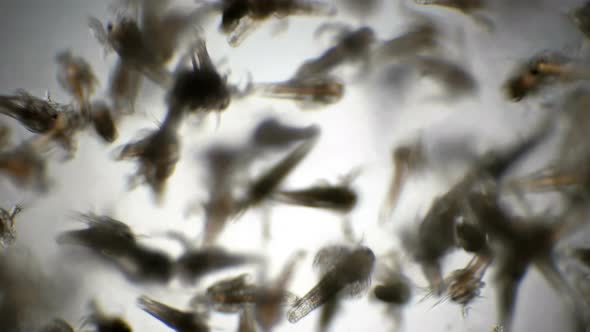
{"x": 360, "y": 130}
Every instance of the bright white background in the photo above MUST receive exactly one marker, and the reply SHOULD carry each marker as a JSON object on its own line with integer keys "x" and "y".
{"x": 360, "y": 130}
